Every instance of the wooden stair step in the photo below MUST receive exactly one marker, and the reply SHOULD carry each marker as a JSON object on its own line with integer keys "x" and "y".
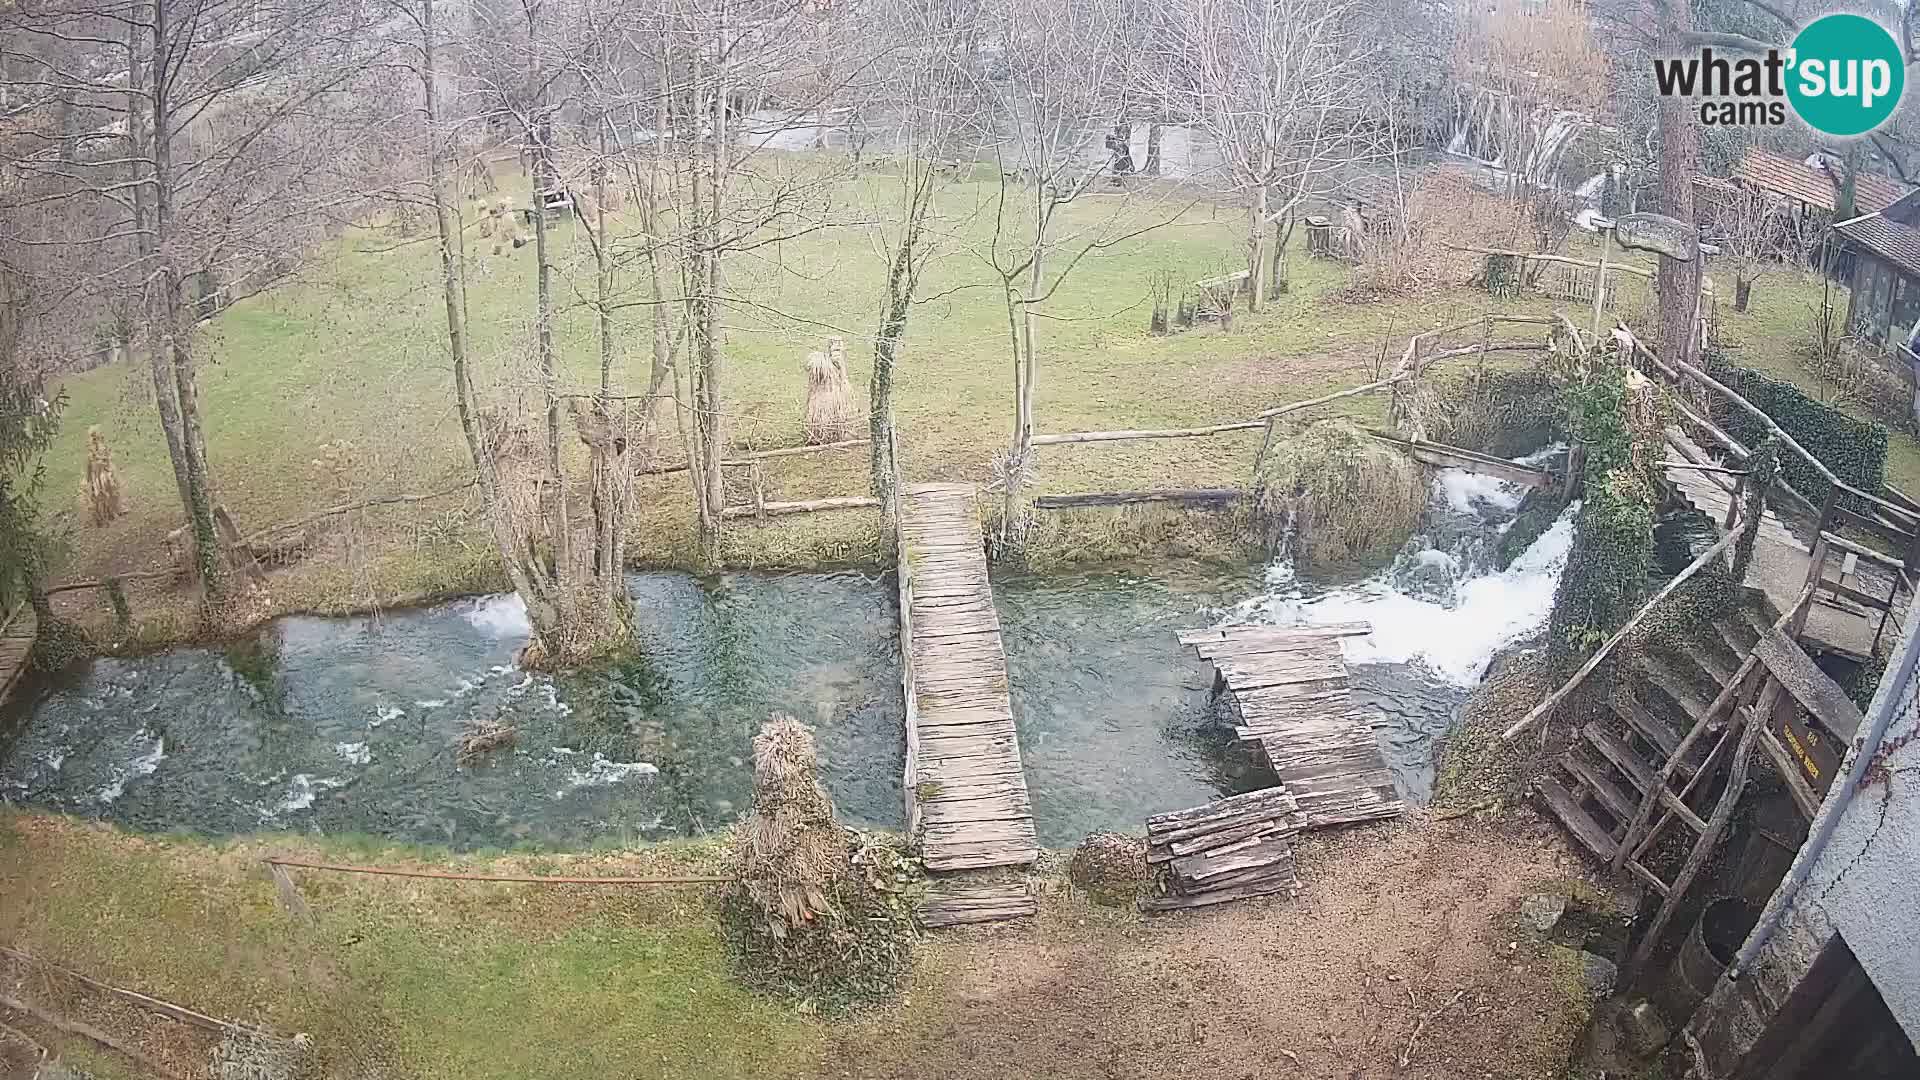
{"x": 1623, "y": 757}
{"x": 1578, "y": 822}
{"x": 1651, "y": 728}
{"x": 1738, "y": 634}
{"x": 1605, "y": 792}
{"x": 1666, "y": 676}
{"x": 1710, "y": 661}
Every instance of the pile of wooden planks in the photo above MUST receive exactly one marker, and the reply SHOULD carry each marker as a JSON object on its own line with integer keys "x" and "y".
{"x": 1229, "y": 849}
{"x": 1288, "y": 689}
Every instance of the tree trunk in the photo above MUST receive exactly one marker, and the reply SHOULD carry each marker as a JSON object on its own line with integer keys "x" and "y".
{"x": 1677, "y": 285}
{"x": 1742, "y": 292}
{"x": 453, "y": 291}
{"x": 157, "y": 361}
{"x": 886, "y": 351}
{"x": 1257, "y": 267}
{"x": 177, "y": 324}
{"x": 1152, "y": 165}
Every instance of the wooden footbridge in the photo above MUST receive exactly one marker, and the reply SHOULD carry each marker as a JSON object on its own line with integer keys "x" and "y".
{"x": 966, "y": 791}
{"x": 17, "y": 632}
{"x": 1287, "y": 689}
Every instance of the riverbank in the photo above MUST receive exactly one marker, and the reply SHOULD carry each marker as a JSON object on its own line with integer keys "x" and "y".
{"x": 439, "y": 979}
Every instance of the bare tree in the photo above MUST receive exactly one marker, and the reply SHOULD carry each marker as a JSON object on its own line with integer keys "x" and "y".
{"x": 1280, "y": 87}
{"x": 929, "y": 69}
{"x": 215, "y": 142}
{"x": 1065, "y": 69}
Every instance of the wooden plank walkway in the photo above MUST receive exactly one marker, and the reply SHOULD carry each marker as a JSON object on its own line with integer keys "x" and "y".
{"x": 17, "y": 633}
{"x": 1781, "y": 560}
{"x": 966, "y": 791}
{"x": 1289, "y": 686}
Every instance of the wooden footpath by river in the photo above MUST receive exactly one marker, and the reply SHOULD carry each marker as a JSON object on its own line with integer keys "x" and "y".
{"x": 17, "y": 633}
{"x": 966, "y": 790}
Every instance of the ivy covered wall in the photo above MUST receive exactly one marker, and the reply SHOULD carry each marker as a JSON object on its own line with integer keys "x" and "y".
{"x": 1856, "y": 450}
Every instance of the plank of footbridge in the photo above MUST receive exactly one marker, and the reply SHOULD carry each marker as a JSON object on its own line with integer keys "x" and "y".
{"x": 16, "y": 646}
{"x": 969, "y": 802}
{"x": 1290, "y": 688}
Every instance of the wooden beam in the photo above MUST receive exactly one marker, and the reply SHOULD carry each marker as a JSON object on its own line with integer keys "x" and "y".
{"x": 744, "y": 460}
{"x": 1554, "y": 699}
{"x": 1188, "y": 496}
{"x": 1542, "y": 256}
{"x": 1443, "y": 456}
{"x": 776, "y": 509}
{"x": 1121, "y": 436}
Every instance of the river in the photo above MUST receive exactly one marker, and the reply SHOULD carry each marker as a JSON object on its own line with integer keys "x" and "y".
{"x": 349, "y": 725}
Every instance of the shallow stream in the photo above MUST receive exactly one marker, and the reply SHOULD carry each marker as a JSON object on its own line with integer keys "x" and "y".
{"x": 349, "y": 725}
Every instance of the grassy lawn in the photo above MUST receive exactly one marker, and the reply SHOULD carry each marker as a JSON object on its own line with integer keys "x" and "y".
{"x": 410, "y": 979}
{"x": 335, "y": 387}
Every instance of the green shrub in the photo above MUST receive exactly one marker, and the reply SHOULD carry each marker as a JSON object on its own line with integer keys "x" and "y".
{"x": 1338, "y": 498}
{"x": 1606, "y": 573}
{"x": 1856, "y": 450}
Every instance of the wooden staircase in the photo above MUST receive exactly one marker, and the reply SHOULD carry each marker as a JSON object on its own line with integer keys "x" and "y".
{"x": 1628, "y": 779}
{"x": 1618, "y": 762}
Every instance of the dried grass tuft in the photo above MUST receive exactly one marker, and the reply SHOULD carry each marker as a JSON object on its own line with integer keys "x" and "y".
{"x": 830, "y": 414}
{"x": 821, "y": 915}
{"x": 1335, "y": 498}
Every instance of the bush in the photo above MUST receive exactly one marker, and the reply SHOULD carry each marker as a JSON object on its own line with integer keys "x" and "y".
{"x": 1856, "y": 450}
{"x": 1606, "y": 572}
{"x": 821, "y": 915}
{"x": 1110, "y": 867}
{"x": 1335, "y": 497}
{"x": 1503, "y": 413}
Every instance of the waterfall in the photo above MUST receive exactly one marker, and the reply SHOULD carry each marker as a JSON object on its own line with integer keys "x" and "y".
{"x": 1443, "y": 602}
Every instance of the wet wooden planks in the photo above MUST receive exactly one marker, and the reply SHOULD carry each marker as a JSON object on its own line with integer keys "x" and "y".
{"x": 955, "y": 902}
{"x": 1289, "y": 687}
{"x": 17, "y": 632}
{"x": 966, "y": 790}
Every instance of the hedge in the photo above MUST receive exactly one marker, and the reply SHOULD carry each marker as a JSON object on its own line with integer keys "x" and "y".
{"x": 1856, "y": 450}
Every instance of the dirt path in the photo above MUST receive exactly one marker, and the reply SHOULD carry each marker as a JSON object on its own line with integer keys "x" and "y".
{"x": 1394, "y": 926}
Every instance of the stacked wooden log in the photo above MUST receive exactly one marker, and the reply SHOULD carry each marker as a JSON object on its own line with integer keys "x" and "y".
{"x": 1229, "y": 849}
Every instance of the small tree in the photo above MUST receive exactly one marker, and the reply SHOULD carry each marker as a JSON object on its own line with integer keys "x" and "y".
{"x": 1280, "y": 88}
{"x": 1755, "y": 225}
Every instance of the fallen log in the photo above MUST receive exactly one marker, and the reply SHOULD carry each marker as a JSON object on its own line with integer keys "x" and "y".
{"x": 775, "y": 509}
{"x": 1184, "y": 496}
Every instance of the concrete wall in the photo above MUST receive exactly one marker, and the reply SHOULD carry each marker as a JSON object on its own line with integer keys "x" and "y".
{"x": 1861, "y": 887}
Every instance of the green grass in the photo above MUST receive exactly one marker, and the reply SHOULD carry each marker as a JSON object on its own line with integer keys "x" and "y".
{"x": 413, "y": 979}
{"x": 336, "y": 387}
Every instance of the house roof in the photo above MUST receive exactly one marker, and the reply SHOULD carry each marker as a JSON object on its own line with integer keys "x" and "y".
{"x": 1898, "y": 244}
{"x": 1813, "y": 184}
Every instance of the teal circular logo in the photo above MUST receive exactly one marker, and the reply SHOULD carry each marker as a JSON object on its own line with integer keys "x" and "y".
{"x": 1845, "y": 74}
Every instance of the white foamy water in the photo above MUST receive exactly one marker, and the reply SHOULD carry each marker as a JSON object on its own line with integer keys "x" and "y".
{"x": 1455, "y": 635}
{"x": 353, "y": 753}
{"x": 503, "y": 616}
{"x": 384, "y": 713}
{"x": 301, "y": 791}
{"x": 143, "y": 764}
{"x": 601, "y": 772}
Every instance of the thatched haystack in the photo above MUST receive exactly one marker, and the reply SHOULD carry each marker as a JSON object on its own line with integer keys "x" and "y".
{"x": 821, "y": 914}
{"x": 103, "y": 486}
{"x": 1334, "y": 498}
{"x": 830, "y": 415}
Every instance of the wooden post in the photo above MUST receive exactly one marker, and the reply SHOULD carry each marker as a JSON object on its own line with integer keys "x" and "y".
{"x": 1816, "y": 575}
{"x": 759, "y": 492}
{"x": 1266, "y": 444}
{"x": 1733, "y": 507}
{"x": 1576, "y": 469}
{"x": 1600, "y": 284}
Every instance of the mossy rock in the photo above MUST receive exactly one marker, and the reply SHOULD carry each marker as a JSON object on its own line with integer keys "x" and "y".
{"x": 1111, "y": 868}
